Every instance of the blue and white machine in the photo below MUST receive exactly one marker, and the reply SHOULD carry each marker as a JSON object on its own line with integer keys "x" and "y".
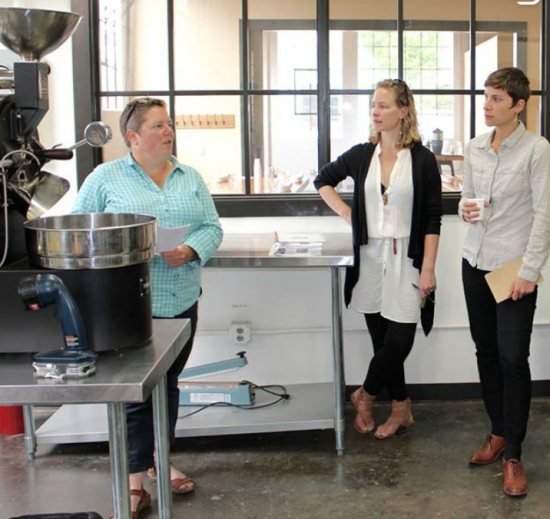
{"x": 73, "y": 360}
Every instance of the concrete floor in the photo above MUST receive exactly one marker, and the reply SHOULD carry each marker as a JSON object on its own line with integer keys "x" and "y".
{"x": 422, "y": 473}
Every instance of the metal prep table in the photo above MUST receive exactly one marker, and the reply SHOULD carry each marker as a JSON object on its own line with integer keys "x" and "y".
{"x": 312, "y": 406}
{"x": 129, "y": 376}
{"x": 306, "y": 409}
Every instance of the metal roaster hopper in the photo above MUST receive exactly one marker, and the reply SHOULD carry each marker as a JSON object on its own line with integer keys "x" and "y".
{"x": 102, "y": 259}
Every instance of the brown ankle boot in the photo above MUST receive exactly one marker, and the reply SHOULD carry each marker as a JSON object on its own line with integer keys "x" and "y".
{"x": 400, "y": 418}
{"x": 363, "y": 404}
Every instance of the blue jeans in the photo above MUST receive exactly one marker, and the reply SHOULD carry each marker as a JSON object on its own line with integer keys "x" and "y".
{"x": 141, "y": 439}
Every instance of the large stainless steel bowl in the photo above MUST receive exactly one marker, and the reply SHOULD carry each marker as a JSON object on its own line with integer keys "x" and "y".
{"x": 90, "y": 241}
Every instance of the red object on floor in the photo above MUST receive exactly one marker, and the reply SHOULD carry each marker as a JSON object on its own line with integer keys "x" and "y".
{"x": 11, "y": 420}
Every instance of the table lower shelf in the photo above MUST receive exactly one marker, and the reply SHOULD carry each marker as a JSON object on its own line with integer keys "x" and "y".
{"x": 310, "y": 407}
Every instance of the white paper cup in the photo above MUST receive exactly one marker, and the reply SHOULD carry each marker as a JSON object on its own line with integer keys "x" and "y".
{"x": 480, "y": 205}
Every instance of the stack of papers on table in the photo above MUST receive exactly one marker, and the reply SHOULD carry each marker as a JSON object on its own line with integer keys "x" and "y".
{"x": 294, "y": 244}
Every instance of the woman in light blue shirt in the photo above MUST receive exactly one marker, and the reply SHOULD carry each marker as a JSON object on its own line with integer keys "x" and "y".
{"x": 508, "y": 171}
{"x": 149, "y": 180}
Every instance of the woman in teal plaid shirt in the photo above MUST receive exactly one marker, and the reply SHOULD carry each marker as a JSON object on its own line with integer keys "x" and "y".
{"x": 149, "y": 180}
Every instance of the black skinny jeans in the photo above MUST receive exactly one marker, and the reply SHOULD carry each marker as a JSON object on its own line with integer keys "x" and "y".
{"x": 141, "y": 438}
{"x": 392, "y": 344}
{"x": 502, "y": 335}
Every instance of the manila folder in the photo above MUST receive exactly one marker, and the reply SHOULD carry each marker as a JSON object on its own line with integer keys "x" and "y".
{"x": 501, "y": 279}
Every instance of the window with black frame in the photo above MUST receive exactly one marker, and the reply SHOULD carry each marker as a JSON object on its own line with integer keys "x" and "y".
{"x": 248, "y": 90}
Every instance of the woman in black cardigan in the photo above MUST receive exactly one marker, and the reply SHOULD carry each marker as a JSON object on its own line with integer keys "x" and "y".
{"x": 396, "y": 220}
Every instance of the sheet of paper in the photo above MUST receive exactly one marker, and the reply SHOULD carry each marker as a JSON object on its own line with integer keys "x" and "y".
{"x": 500, "y": 280}
{"x": 169, "y": 238}
{"x": 299, "y": 237}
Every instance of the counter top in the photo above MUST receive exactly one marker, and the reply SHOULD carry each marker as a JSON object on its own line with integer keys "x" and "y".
{"x": 252, "y": 250}
{"x": 126, "y": 376}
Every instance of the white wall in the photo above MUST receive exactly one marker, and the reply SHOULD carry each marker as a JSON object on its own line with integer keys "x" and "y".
{"x": 289, "y": 313}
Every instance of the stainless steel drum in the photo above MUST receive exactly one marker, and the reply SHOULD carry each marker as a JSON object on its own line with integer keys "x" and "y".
{"x": 90, "y": 241}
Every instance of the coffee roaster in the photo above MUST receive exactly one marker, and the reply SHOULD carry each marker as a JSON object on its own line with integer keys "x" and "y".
{"x": 102, "y": 259}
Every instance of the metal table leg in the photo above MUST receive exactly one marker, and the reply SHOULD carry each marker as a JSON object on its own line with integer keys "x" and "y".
{"x": 338, "y": 360}
{"x": 118, "y": 453}
{"x": 162, "y": 441}
{"x": 30, "y": 431}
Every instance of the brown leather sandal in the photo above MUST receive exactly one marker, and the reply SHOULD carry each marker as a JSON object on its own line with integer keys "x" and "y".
{"x": 183, "y": 485}
{"x": 400, "y": 418}
{"x": 143, "y": 503}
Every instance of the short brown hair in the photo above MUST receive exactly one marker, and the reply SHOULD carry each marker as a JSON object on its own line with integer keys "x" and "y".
{"x": 409, "y": 125}
{"x": 134, "y": 114}
{"x": 513, "y": 81}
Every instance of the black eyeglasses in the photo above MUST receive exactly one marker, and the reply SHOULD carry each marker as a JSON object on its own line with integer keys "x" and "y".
{"x": 142, "y": 102}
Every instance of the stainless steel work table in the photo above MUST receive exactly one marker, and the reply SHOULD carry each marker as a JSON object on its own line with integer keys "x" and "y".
{"x": 126, "y": 377}
{"x": 251, "y": 250}
{"x": 311, "y": 405}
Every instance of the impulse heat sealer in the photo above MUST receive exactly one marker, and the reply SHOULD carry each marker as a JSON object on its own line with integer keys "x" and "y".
{"x": 206, "y": 393}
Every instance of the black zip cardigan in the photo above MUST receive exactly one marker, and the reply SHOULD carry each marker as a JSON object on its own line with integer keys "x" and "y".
{"x": 427, "y": 206}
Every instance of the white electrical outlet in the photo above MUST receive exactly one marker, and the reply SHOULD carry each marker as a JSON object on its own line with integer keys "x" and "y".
{"x": 240, "y": 332}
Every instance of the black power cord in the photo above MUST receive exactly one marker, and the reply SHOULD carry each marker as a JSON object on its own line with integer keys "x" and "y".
{"x": 270, "y": 389}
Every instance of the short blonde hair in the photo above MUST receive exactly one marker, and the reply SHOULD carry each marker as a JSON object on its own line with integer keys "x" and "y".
{"x": 409, "y": 134}
{"x": 134, "y": 114}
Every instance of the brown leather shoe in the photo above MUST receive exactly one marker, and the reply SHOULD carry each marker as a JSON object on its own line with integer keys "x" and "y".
{"x": 515, "y": 480}
{"x": 363, "y": 404}
{"x": 490, "y": 452}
